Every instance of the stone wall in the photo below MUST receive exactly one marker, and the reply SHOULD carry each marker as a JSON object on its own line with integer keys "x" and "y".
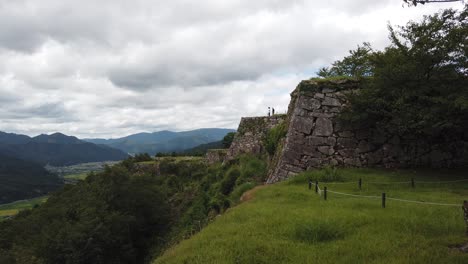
{"x": 315, "y": 138}
{"x": 215, "y": 155}
{"x": 250, "y": 135}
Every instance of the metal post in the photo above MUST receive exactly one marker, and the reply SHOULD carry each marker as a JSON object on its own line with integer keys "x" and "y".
{"x": 325, "y": 193}
{"x": 383, "y": 200}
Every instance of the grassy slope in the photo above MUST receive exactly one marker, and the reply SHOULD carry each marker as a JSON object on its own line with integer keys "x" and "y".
{"x": 286, "y": 223}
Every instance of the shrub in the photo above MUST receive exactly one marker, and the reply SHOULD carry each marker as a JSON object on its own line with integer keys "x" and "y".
{"x": 229, "y": 180}
{"x": 274, "y": 136}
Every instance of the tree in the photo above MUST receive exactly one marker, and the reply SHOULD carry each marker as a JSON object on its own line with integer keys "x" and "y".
{"x": 357, "y": 64}
{"x": 227, "y": 140}
{"x": 419, "y": 83}
{"x": 422, "y": 2}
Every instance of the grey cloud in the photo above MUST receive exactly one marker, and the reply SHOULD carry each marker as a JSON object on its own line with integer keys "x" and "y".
{"x": 55, "y": 111}
{"x": 146, "y": 65}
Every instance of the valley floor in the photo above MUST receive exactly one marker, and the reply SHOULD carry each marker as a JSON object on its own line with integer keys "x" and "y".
{"x": 288, "y": 223}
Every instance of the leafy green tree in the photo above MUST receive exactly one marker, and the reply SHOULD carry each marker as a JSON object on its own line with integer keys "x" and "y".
{"x": 419, "y": 82}
{"x": 227, "y": 140}
{"x": 357, "y": 64}
{"x": 423, "y": 2}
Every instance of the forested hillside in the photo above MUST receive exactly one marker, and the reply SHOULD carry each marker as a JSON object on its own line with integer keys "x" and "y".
{"x": 20, "y": 179}
{"x": 129, "y": 213}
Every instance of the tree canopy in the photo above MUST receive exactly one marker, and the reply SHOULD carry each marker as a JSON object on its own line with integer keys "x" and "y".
{"x": 418, "y": 84}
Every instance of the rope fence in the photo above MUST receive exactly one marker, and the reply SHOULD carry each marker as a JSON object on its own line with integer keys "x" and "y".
{"x": 403, "y": 182}
{"x": 384, "y": 197}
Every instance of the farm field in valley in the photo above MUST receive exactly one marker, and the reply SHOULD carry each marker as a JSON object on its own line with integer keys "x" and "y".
{"x": 10, "y": 209}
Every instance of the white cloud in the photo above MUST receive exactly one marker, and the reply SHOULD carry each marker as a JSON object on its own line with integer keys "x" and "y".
{"x": 110, "y": 68}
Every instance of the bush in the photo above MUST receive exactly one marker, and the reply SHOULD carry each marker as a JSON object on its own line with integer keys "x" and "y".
{"x": 274, "y": 136}
{"x": 241, "y": 189}
{"x": 252, "y": 169}
{"x": 229, "y": 180}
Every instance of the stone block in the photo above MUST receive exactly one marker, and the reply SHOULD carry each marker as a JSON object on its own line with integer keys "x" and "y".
{"x": 309, "y": 103}
{"x": 314, "y": 163}
{"x": 326, "y": 150}
{"x": 303, "y": 125}
{"x": 347, "y": 153}
{"x": 323, "y": 127}
{"x": 317, "y": 141}
{"x": 346, "y": 143}
{"x": 328, "y": 90}
{"x": 329, "y": 101}
{"x": 319, "y": 96}
{"x": 331, "y": 141}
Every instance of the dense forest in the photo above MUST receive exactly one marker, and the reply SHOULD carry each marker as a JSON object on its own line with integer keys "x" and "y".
{"x": 127, "y": 213}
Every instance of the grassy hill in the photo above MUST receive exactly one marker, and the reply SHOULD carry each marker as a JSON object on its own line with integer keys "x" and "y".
{"x": 287, "y": 223}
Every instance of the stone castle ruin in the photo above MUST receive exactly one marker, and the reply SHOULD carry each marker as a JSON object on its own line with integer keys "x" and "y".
{"x": 316, "y": 139}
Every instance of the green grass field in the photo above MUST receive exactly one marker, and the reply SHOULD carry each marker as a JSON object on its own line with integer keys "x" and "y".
{"x": 77, "y": 176}
{"x": 13, "y": 208}
{"x": 287, "y": 223}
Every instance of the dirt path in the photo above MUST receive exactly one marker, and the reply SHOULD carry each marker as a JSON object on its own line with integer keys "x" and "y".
{"x": 248, "y": 195}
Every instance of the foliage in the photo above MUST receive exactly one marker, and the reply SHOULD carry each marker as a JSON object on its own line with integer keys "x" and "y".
{"x": 274, "y": 136}
{"x": 423, "y": 2}
{"x": 124, "y": 214}
{"x": 227, "y": 140}
{"x": 419, "y": 82}
{"x": 357, "y": 64}
{"x": 108, "y": 218}
{"x": 227, "y": 185}
{"x": 142, "y": 157}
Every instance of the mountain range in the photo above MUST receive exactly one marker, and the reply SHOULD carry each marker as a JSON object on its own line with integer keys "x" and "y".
{"x": 56, "y": 149}
{"x": 164, "y": 141}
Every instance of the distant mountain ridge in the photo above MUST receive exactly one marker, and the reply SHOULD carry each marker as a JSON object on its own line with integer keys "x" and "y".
{"x": 56, "y": 149}
{"x": 164, "y": 141}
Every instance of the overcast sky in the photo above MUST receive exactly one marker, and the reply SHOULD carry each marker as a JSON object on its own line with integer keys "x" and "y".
{"x": 111, "y": 68}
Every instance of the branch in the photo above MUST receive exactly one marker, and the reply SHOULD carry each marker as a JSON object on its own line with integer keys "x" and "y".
{"x": 422, "y": 2}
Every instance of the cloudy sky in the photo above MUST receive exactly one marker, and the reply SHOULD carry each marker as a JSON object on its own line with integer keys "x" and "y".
{"x": 110, "y": 68}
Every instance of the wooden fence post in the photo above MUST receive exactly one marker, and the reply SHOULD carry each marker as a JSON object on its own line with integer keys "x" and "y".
{"x": 383, "y": 200}
{"x": 465, "y": 211}
{"x": 310, "y": 184}
{"x": 325, "y": 193}
{"x": 360, "y": 184}
{"x": 412, "y": 182}
{"x": 316, "y": 186}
